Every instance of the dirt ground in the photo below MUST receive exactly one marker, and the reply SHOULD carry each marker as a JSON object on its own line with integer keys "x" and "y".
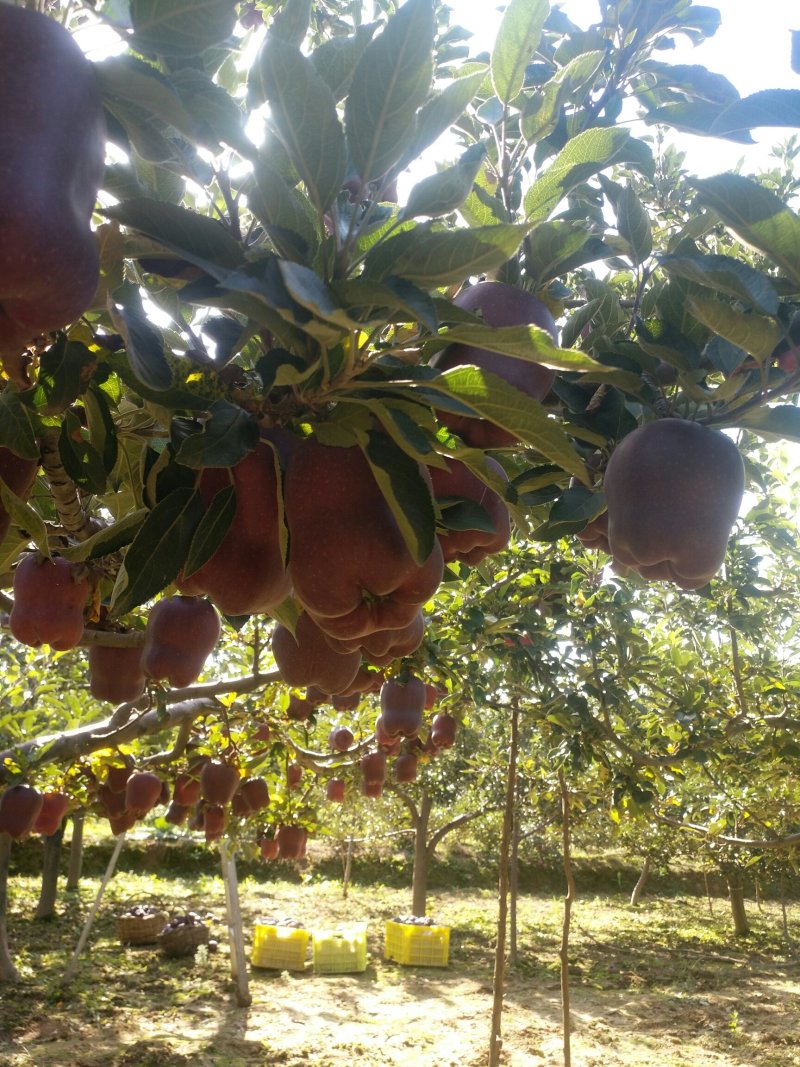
{"x": 664, "y": 985}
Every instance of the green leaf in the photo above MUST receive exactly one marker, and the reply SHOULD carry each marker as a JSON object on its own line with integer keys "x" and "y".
{"x": 633, "y": 224}
{"x": 282, "y": 210}
{"x": 144, "y": 347}
{"x": 756, "y": 215}
{"x": 535, "y": 345}
{"x": 440, "y": 257}
{"x": 107, "y": 541}
{"x": 191, "y": 236}
{"x": 441, "y": 193}
{"x": 335, "y": 60}
{"x": 695, "y": 116}
{"x": 392, "y": 79}
{"x": 410, "y": 425}
{"x": 26, "y": 517}
{"x": 130, "y": 79}
{"x": 438, "y": 114}
{"x": 82, "y": 462}
{"x": 726, "y": 275}
{"x": 540, "y": 113}
{"x": 16, "y": 429}
{"x": 158, "y": 551}
{"x": 405, "y": 490}
{"x": 581, "y": 158}
{"x": 180, "y": 27}
{"x": 102, "y": 431}
{"x": 290, "y": 22}
{"x": 303, "y": 112}
{"x": 756, "y": 334}
{"x": 516, "y": 42}
{"x": 225, "y": 440}
{"x": 779, "y": 422}
{"x": 770, "y": 107}
{"x": 62, "y": 376}
{"x": 309, "y": 290}
{"x": 459, "y": 513}
{"x": 492, "y": 398}
{"x": 211, "y": 531}
{"x": 576, "y": 506}
{"x": 368, "y": 300}
{"x": 217, "y": 117}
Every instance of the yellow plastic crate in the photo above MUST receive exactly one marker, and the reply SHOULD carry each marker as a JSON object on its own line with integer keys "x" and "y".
{"x": 417, "y": 946}
{"x": 283, "y": 948}
{"x": 340, "y": 950}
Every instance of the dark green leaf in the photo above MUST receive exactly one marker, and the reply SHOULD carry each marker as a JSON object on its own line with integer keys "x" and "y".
{"x": 195, "y": 237}
{"x": 438, "y": 114}
{"x": 102, "y": 431}
{"x": 758, "y": 216}
{"x": 633, "y": 224}
{"x": 16, "y": 429}
{"x": 692, "y": 117}
{"x": 405, "y": 490}
{"x": 181, "y": 27}
{"x": 391, "y": 81}
{"x": 130, "y": 79}
{"x": 211, "y": 531}
{"x": 770, "y": 107}
{"x": 515, "y": 45}
{"x": 441, "y": 257}
{"x": 727, "y": 275}
{"x": 335, "y": 60}
{"x": 158, "y": 551}
{"x": 540, "y": 113}
{"x": 361, "y": 296}
{"x": 82, "y": 462}
{"x": 461, "y": 514}
{"x": 217, "y": 117}
{"x": 63, "y": 373}
{"x": 144, "y": 347}
{"x": 109, "y": 540}
{"x": 781, "y": 421}
{"x": 574, "y": 508}
{"x": 304, "y": 114}
{"x": 225, "y": 440}
{"x": 281, "y": 209}
{"x": 441, "y": 193}
{"x": 309, "y": 290}
{"x": 290, "y": 22}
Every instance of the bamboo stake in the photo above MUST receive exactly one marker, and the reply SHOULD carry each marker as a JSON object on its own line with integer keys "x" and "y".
{"x": 235, "y": 926}
{"x": 72, "y": 966}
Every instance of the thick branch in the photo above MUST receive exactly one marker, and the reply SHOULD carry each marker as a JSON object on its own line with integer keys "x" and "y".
{"x": 776, "y": 844}
{"x": 405, "y": 799}
{"x": 75, "y": 520}
{"x": 118, "y": 729}
{"x": 460, "y": 820}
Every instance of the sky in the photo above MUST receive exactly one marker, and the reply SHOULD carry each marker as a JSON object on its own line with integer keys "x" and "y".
{"x": 752, "y": 52}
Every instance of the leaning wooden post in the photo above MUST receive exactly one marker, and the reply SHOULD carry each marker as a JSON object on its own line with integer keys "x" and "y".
{"x": 235, "y": 927}
{"x": 72, "y": 966}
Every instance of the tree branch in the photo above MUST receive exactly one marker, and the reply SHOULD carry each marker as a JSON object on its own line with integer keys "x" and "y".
{"x": 75, "y": 520}
{"x": 778, "y": 843}
{"x": 437, "y": 836}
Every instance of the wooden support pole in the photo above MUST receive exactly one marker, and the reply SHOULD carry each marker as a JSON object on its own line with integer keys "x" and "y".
{"x": 72, "y": 966}
{"x": 235, "y": 926}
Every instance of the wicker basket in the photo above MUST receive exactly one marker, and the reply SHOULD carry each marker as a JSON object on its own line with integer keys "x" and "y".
{"x": 141, "y": 929}
{"x": 183, "y": 940}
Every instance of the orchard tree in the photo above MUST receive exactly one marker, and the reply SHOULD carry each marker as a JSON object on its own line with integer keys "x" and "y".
{"x": 257, "y": 415}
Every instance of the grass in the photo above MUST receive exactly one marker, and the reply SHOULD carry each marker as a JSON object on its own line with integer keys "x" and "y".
{"x": 661, "y": 982}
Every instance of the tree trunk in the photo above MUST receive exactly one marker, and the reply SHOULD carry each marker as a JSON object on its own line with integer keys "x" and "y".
{"x": 419, "y": 884}
{"x": 741, "y": 927}
{"x": 784, "y": 912}
{"x": 498, "y": 985}
{"x": 638, "y": 889}
{"x": 8, "y": 972}
{"x": 46, "y": 908}
{"x": 513, "y": 886}
{"x": 75, "y": 851}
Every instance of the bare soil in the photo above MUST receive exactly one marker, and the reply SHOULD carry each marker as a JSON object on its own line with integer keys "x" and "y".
{"x": 664, "y": 985}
